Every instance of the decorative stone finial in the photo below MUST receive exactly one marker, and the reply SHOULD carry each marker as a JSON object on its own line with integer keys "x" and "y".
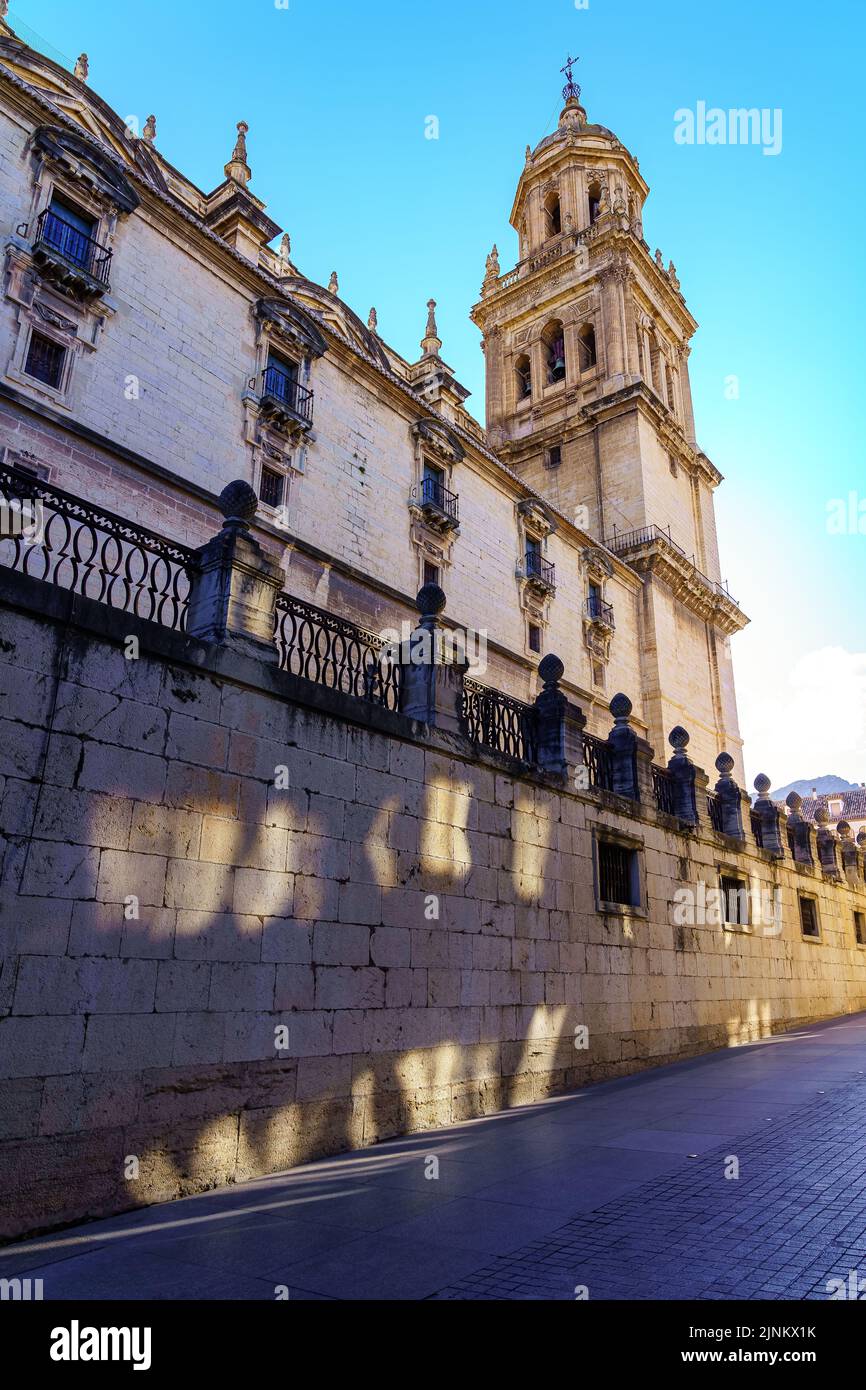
{"x": 843, "y": 830}
{"x": 285, "y": 251}
{"x": 333, "y": 283}
{"x": 551, "y": 670}
{"x": 861, "y": 839}
{"x": 659, "y": 259}
{"x": 149, "y": 132}
{"x": 237, "y": 168}
{"x": 82, "y": 67}
{"x": 762, "y": 784}
{"x": 620, "y": 707}
{"x": 238, "y": 503}
{"x": 430, "y": 600}
{"x": 528, "y": 154}
{"x": 492, "y": 265}
{"x": 4, "y": 8}
{"x": 678, "y": 738}
{"x": 794, "y": 801}
{"x": 822, "y": 815}
{"x": 672, "y": 275}
{"x": 431, "y": 342}
{"x": 373, "y": 321}
{"x": 724, "y": 764}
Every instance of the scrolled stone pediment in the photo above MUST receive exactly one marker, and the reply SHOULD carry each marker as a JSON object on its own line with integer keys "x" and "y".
{"x": 71, "y": 150}
{"x": 294, "y": 323}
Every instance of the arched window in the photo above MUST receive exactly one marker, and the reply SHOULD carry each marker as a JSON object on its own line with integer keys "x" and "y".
{"x": 594, "y": 201}
{"x": 523, "y": 372}
{"x": 587, "y": 354}
{"x": 553, "y": 214}
{"x": 553, "y": 340}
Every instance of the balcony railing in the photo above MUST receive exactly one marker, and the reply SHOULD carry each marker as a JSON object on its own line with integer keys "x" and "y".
{"x": 663, "y": 788}
{"x": 540, "y": 569}
{"x": 77, "y": 546}
{"x": 623, "y": 541}
{"x": 498, "y": 721}
{"x": 336, "y": 653}
{"x": 598, "y": 611}
{"x": 598, "y": 762}
{"x": 282, "y": 389}
{"x": 435, "y": 494}
{"x": 714, "y": 811}
{"x": 58, "y": 237}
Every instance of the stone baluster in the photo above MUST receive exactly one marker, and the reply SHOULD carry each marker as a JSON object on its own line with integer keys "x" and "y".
{"x": 826, "y": 840}
{"x": 800, "y": 830}
{"x": 234, "y": 582}
{"x": 686, "y": 777}
{"x": 731, "y": 798}
{"x": 431, "y": 680}
{"x": 559, "y": 723}
{"x": 769, "y": 816}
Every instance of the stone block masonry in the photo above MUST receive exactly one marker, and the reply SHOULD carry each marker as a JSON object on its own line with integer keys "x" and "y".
{"x": 209, "y": 973}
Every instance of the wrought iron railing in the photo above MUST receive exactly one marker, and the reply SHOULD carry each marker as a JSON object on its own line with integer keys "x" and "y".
{"x": 714, "y": 811}
{"x": 539, "y": 568}
{"x": 54, "y": 233}
{"x": 664, "y": 790}
{"x": 81, "y": 547}
{"x": 336, "y": 653}
{"x": 598, "y": 761}
{"x": 623, "y": 541}
{"x": 757, "y": 829}
{"x": 435, "y": 494}
{"x": 498, "y": 721}
{"x": 282, "y": 387}
{"x": 599, "y": 611}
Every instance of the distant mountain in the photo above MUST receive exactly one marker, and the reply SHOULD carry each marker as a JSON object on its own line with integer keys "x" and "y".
{"x": 823, "y": 786}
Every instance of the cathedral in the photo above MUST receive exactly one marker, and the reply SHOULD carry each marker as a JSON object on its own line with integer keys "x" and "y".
{"x": 159, "y": 341}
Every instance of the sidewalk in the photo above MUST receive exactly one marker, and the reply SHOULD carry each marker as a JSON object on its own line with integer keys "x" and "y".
{"x": 619, "y": 1189}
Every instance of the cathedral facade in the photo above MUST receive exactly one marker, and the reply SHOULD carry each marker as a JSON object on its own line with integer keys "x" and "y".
{"x": 155, "y": 346}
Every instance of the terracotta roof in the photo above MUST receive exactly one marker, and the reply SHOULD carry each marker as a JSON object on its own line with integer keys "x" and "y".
{"x": 853, "y": 804}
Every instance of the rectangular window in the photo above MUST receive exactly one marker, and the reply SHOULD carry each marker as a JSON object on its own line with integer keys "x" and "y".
{"x": 431, "y": 573}
{"x": 271, "y": 488}
{"x": 735, "y": 901}
{"x": 534, "y": 637}
{"x": 553, "y": 457}
{"x": 809, "y": 918}
{"x": 72, "y": 215}
{"x": 617, "y": 874}
{"x": 860, "y": 928}
{"x": 45, "y": 360}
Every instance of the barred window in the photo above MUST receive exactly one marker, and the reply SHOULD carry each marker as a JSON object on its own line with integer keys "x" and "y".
{"x": 431, "y": 573}
{"x": 45, "y": 360}
{"x": 809, "y": 917}
{"x": 617, "y": 874}
{"x": 271, "y": 487}
{"x": 735, "y": 900}
{"x": 860, "y": 928}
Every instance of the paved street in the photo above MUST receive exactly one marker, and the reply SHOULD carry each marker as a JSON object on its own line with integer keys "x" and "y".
{"x": 620, "y": 1189}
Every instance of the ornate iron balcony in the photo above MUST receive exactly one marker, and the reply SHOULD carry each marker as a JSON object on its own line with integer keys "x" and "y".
{"x": 621, "y": 542}
{"x": 58, "y": 240}
{"x": 282, "y": 392}
{"x": 435, "y": 494}
{"x": 598, "y": 611}
{"x": 539, "y": 569}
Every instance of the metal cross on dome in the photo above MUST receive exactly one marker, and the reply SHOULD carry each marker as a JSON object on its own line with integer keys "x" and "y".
{"x": 571, "y": 88}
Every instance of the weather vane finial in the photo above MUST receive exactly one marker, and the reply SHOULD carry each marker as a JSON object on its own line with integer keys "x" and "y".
{"x": 571, "y": 88}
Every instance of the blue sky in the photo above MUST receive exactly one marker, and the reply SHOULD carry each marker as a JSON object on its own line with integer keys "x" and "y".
{"x": 768, "y": 248}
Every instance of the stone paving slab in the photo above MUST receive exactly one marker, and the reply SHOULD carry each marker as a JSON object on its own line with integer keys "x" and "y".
{"x": 619, "y": 1188}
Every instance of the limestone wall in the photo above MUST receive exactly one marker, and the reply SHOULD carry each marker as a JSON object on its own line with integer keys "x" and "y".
{"x": 420, "y": 919}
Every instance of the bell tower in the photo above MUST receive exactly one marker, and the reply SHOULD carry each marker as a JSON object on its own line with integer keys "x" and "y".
{"x": 586, "y": 344}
